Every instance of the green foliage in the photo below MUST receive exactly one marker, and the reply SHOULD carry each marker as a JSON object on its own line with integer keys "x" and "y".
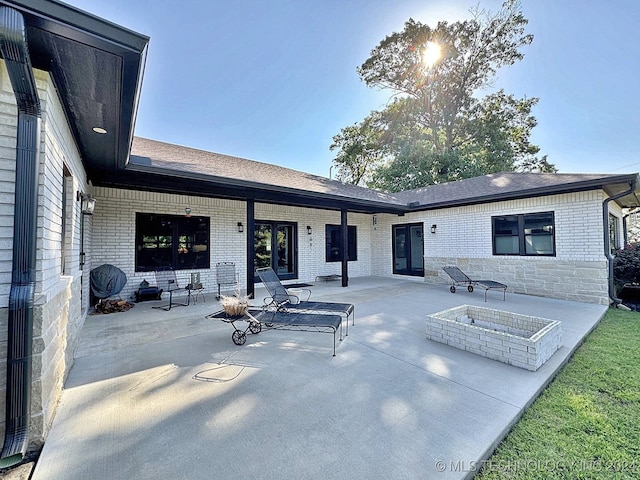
{"x": 360, "y": 149}
{"x": 437, "y": 129}
{"x": 626, "y": 266}
{"x": 585, "y": 424}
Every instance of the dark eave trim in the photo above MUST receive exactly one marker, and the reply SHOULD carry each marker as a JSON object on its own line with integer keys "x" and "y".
{"x": 181, "y": 183}
{"x": 76, "y": 24}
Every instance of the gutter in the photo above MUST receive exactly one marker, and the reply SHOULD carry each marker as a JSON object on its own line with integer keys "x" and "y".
{"x": 582, "y": 186}
{"x": 607, "y": 241}
{"x": 276, "y": 192}
{"x": 13, "y": 46}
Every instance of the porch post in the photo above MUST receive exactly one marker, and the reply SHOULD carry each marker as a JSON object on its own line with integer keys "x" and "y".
{"x": 251, "y": 251}
{"x": 345, "y": 248}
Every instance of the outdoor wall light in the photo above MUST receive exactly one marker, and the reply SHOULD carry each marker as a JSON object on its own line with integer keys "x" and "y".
{"x": 309, "y": 230}
{"x": 375, "y": 220}
{"x": 87, "y": 203}
{"x": 240, "y": 227}
{"x": 433, "y": 228}
{"x": 187, "y": 212}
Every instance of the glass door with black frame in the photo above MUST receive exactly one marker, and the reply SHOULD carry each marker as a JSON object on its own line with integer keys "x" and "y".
{"x": 275, "y": 246}
{"x": 408, "y": 249}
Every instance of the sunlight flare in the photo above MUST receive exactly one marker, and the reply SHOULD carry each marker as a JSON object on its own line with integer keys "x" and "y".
{"x": 431, "y": 54}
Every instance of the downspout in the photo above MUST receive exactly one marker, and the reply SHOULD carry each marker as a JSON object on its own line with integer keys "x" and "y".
{"x": 607, "y": 241}
{"x": 13, "y": 46}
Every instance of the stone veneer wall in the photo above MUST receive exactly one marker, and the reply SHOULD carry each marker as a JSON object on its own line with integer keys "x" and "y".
{"x": 58, "y": 310}
{"x": 579, "y": 281}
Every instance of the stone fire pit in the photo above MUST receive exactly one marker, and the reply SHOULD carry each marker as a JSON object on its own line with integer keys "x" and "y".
{"x": 519, "y": 340}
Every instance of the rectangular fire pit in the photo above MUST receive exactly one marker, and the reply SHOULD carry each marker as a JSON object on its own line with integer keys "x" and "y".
{"x": 519, "y": 340}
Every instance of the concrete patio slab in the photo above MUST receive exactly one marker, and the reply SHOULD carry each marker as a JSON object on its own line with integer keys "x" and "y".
{"x": 156, "y": 394}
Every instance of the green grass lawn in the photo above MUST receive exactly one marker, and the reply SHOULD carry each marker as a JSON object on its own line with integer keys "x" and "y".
{"x": 586, "y": 424}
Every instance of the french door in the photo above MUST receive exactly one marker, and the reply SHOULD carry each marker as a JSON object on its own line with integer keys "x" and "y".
{"x": 276, "y": 246}
{"x": 408, "y": 249}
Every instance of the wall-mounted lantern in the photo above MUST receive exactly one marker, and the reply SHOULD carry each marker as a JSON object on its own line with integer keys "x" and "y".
{"x": 309, "y": 230}
{"x": 187, "y": 212}
{"x": 433, "y": 228}
{"x": 87, "y": 203}
{"x": 240, "y": 227}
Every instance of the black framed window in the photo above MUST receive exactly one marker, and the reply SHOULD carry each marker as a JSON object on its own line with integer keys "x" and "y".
{"x": 171, "y": 241}
{"x": 531, "y": 234}
{"x": 333, "y": 235}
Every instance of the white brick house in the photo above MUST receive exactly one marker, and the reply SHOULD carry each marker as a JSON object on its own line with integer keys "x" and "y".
{"x": 539, "y": 234}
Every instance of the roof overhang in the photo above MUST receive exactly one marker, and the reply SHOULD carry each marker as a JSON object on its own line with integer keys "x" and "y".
{"x": 139, "y": 177}
{"x": 97, "y": 68}
{"x": 611, "y": 185}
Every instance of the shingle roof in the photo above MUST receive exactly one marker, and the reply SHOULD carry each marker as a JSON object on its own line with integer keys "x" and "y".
{"x": 151, "y": 156}
{"x": 504, "y": 185}
{"x": 191, "y": 161}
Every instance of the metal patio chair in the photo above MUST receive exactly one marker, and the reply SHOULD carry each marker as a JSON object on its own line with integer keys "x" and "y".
{"x": 226, "y": 276}
{"x": 195, "y": 288}
{"x": 167, "y": 281}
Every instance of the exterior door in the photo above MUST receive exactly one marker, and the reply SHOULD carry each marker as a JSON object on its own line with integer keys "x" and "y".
{"x": 276, "y": 246}
{"x": 408, "y": 249}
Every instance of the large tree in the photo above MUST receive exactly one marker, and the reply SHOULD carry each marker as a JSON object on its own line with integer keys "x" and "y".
{"x": 437, "y": 128}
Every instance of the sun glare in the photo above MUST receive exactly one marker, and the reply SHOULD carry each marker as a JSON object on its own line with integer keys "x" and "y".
{"x": 431, "y": 54}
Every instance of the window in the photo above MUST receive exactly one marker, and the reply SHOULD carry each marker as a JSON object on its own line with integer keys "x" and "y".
{"x": 66, "y": 237}
{"x": 171, "y": 241}
{"x": 525, "y": 234}
{"x": 334, "y": 243}
{"x": 614, "y": 241}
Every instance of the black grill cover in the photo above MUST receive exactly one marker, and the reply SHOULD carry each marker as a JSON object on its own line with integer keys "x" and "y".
{"x": 107, "y": 280}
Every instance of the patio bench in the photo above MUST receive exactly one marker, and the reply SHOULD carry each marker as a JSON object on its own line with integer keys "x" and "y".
{"x": 328, "y": 278}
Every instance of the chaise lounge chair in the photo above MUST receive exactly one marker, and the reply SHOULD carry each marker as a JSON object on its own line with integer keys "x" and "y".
{"x": 282, "y": 301}
{"x": 458, "y": 277}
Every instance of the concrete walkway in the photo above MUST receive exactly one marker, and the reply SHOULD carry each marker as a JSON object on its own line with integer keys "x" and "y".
{"x": 167, "y": 395}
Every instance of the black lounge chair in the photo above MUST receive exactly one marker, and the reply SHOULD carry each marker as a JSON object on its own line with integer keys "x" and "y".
{"x": 458, "y": 277}
{"x": 282, "y": 301}
{"x": 262, "y": 319}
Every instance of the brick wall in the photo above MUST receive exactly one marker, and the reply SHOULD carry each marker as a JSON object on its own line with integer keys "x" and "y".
{"x": 463, "y": 238}
{"x": 58, "y": 312}
{"x": 114, "y": 234}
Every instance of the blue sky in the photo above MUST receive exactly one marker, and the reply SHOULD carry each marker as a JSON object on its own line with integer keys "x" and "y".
{"x": 275, "y": 80}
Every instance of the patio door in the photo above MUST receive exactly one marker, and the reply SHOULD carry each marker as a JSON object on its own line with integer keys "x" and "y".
{"x": 408, "y": 249}
{"x": 276, "y": 246}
